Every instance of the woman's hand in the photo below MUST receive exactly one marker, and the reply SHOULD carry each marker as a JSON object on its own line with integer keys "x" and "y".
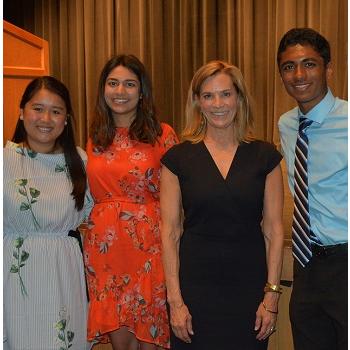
{"x": 181, "y": 322}
{"x": 265, "y": 321}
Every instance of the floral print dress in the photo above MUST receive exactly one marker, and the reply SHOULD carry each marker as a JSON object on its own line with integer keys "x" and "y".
{"x": 122, "y": 248}
{"x": 45, "y": 303}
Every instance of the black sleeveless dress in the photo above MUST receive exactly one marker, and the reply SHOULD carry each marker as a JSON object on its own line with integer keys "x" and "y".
{"x": 222, "y": 251}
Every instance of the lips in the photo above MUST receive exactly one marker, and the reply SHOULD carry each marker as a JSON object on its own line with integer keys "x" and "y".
{"x": 219, "y": 114}
{"x": 120, "y": 100}
{"x": 301, "y": 87}
{"x": 44, "y": 129}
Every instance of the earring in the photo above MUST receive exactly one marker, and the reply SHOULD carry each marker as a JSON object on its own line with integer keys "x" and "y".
{"x": 67, "y": 116}
{"x": 140, "y": 97}
{"x": 202, "y": 125}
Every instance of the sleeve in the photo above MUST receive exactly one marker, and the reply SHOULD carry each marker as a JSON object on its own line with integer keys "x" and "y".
{"x": 88, "y": 201}
{"x": 168, "y": 138}
{"x": 272, "y": 157}
{"x": 171, "y": 159}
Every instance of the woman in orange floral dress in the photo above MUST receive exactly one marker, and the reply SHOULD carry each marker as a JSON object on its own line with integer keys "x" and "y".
{"x": 122, "y": 246}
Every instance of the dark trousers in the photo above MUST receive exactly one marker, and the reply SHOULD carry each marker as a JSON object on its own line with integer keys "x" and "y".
{"x": 318, "y": 306}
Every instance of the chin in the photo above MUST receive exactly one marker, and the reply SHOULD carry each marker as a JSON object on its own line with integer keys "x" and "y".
{"x": 221, "y": 126}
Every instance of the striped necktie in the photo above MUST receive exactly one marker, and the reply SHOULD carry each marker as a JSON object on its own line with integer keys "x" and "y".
{"x": 302, "y": 235}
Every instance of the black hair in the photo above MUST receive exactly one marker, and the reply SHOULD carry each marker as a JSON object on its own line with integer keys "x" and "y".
{"x": 305, "y": 37}
{"x": 75, "y": 165}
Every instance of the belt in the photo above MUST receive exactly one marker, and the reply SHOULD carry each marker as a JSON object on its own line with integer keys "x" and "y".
{"x": 323, "y": 251}
{"x": 76, "y": 235}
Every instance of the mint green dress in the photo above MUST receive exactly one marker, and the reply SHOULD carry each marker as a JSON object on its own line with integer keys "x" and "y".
{"x": 45, "y": 303}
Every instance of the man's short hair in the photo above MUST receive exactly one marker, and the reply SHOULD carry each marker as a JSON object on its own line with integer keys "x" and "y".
{"x": 305, "y": 37}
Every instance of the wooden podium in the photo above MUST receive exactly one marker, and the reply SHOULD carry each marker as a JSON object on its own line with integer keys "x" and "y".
{"x": 26, "y": 57}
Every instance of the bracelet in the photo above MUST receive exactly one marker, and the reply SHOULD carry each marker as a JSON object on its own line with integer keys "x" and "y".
{"x": 272, "y": 288}
{"x": 273, "y": 312}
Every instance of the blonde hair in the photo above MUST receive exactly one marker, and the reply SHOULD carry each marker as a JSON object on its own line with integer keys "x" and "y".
{"x": 196, "y": 125}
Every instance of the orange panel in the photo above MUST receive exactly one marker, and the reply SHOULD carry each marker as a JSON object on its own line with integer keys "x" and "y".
{"x": 13, "y": 90}
{"x": 26, "y": 56}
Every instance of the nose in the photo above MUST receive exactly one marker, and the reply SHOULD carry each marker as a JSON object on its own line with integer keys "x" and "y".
{"x": 120, "y": 88}
{"x": 46, "y": 116}
{"x": 217, "y": 102}
{"x": 300, "y": 72}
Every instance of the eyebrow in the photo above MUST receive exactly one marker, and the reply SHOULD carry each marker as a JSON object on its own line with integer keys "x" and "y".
{"x": 42, "y": 104}
{"x": 211, "y": 92}
{"x": 116, "y": 79}
{"x": 303, "y": 60}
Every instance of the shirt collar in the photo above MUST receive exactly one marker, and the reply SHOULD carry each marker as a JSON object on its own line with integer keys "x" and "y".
{"x": 320, "y": 111}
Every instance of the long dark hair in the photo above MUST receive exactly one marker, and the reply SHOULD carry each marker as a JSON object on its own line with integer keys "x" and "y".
{"x": 145, "y": 127}
{"x": 66, "y": 140}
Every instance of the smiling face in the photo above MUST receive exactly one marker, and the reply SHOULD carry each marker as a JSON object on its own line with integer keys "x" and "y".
{"x": 218, "y": 101}
{"x": 304, "y": 75}
{"x": 122, "y": 95}
{"x": 44, "y": 117}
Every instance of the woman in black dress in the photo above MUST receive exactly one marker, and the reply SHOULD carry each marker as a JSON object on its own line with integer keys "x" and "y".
{"x": 223, "y": 260}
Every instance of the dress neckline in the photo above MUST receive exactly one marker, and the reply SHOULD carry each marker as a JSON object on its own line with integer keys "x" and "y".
{"x": 122, "y": 129}
{"x": 21, "y": 149}
{"x": 214, "y": 165}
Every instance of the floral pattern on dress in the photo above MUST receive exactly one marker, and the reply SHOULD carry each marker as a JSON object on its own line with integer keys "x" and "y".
{"x": 30, "y": 195}
{"x": 59, "y": 168}
{"x": 21, "y": 256}
{"x": 64, "y": 336}
{"x": 24, "y": 151}
{"x": 122, "y": 248}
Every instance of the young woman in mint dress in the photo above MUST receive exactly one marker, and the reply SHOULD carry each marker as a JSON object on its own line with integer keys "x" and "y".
{"x": 45, "y": 196}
